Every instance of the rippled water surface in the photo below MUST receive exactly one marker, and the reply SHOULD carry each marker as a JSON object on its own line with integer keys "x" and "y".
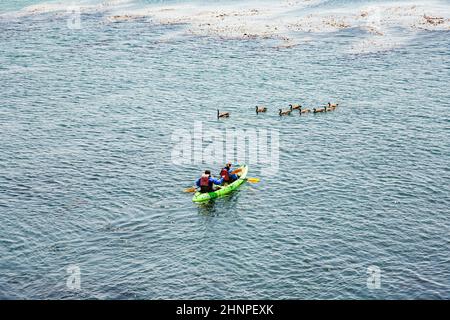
{"x": 86, "y": 176}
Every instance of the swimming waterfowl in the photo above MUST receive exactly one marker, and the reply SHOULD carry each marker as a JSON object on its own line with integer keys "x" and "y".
{"x": 260, "y": 109}
{"x": 334, "y": 105}
{"x": 304, "y": 110}
{"x": 295, "y": 106}
{"x": 329, "y": 109}
{"x": 319, "y": 110}
{"x": 222, "y": 114}
{"x": 284, "y": 113}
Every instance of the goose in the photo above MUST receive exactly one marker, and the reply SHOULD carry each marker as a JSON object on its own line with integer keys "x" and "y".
{"x": 260, "y": 109}
{"x": 284, "y": 113}
{"x": 334, "y": 105}
{"x": 319, "y": 110}
{"x": 304, "y": 110}
{"x": 295, "y": 106}
{"x": 222, "y": 114}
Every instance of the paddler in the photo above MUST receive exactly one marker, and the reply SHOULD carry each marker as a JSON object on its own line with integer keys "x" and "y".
{"x": 227, "y": 175}
{"x": 206, "y": 182}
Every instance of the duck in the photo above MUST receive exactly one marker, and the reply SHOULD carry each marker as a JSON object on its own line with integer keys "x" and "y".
{"x": 319, "y": 110}
{"x": 284, "y": 113}
{"x": 304, "y": 111}
{"x": 260, "y": 109}
{"x": 295, "y": 106}
{"x": 334, "y": 105}
{"x": 222, "y": 114}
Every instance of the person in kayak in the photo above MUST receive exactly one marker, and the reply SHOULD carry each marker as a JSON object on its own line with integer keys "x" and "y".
{"x": 226, "y": 174}
{"x": 206, "y": 182}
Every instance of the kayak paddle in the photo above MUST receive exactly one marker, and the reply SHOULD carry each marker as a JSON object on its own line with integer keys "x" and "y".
{"x": 236, "y": 171}
{"x": 191, "y": 189}
{"x": 194, "y": 189}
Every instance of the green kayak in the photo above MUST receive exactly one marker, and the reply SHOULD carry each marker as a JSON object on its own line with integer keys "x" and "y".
{"x": 223, "y": 190}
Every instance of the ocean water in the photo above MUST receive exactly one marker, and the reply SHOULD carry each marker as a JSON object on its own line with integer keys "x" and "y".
{"x": 87, "y": 176}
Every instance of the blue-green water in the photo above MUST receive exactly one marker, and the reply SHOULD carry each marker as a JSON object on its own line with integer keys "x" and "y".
{"x": 87, "y": 179}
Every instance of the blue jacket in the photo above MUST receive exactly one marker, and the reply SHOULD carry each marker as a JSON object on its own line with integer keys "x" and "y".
{"x": 211, "y": 181}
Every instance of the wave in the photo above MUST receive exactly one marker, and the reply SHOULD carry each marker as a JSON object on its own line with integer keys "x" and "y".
{"x": 61, "y": 6}
{"x": 384, "y": 24}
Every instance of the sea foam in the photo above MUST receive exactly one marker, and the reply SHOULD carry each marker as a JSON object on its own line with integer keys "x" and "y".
{"x": 290, "y": 22}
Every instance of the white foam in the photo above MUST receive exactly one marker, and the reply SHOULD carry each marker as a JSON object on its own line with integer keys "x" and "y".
{"x": 268, "y": 19}
{"x": 81, "y": 5}
{"x": 287, "y": 21}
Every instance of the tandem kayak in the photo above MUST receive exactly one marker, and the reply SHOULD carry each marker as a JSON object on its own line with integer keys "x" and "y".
{"x": 223, "y": 190}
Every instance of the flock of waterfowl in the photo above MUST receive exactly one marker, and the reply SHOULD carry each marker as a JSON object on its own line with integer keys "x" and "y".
{"x": 260, "y": 109}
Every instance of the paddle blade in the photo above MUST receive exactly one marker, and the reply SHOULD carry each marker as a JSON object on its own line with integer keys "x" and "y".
{"x": 192, "y": 189}
{"x": 253, "y": 180}
{"x": 236, "y": 171}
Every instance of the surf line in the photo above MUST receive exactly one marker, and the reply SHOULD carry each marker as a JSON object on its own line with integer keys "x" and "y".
{"x": 186, "y": 310}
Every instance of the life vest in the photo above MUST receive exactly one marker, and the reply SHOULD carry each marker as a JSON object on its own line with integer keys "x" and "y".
{"x": 204, "y": 181}
{"x": 224, "y": 173}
